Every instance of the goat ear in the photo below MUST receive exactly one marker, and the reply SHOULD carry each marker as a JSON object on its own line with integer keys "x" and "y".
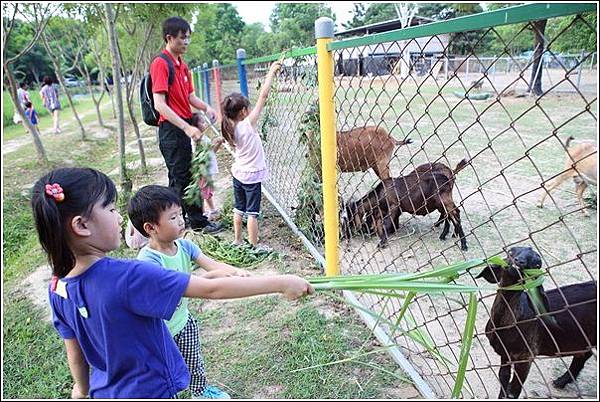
{"x": 491, "y": 273}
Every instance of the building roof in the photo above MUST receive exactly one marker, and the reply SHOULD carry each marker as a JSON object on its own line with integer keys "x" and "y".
{"x": 384, "y": 26}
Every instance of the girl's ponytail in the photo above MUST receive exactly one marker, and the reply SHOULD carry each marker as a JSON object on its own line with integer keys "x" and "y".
{"x": 52, "y": 232}
{"x": 227, "y": 130}
{"x": 231, "y": 107}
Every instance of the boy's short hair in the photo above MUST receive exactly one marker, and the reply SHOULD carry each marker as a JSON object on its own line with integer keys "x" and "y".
{"x": 28, "y": 105}
{"x": 148, "y": 203}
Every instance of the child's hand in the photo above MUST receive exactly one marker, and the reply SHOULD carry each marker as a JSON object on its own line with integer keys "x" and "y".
{"x": 296, "y": 287}
{"x": 275, "y": 67}
{"x": 76, "y": 393}
{"x": 211, "y": 114}
{"x": 217, "y": 142}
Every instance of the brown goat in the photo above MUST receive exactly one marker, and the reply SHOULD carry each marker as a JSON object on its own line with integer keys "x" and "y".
{"x": 581, "y": 163}
{"x": 426, "y": 189}
{"x": 367, "y": 147}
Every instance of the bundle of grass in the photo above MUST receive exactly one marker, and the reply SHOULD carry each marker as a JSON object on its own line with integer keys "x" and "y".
{"x": 244, "y": 256}
{"x": 201, "y": 179}
{"x": 407, "y": 286}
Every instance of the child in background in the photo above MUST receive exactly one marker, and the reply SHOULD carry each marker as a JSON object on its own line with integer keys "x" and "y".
{"x": 156, "y": 213}
{"x": 31, "y": 114}
{"x": 133, "y": 238}
{"x": 110, "y": 311}
{"x": 250, "y": 167}
{"x": 207, "y": 191}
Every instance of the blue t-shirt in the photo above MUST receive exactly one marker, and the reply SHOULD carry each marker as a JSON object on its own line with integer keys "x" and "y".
{"x": 116, "y": 309}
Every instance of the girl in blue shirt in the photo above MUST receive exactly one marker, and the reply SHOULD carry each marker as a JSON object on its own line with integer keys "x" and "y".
{"x": 109, "y": 311}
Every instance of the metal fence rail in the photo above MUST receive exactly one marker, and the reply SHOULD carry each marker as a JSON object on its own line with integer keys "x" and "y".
{"x": 452, "y": 108}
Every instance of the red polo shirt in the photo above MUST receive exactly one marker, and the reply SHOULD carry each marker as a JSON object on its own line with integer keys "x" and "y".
{"x": 179, "y": 91}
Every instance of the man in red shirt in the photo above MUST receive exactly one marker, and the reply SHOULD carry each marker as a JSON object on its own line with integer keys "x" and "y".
{"x": 174, "y": 102}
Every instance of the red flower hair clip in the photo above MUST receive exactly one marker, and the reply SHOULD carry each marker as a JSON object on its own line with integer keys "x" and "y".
{"x": 55, "y": 191}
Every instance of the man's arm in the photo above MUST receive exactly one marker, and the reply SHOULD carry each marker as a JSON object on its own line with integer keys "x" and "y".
{"x": 160, "y": 104}
{"x": 202, "y": 106}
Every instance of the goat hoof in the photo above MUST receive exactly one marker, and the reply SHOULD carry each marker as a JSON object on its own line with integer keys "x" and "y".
{"x": 442, "y": 238}
{"x": 382, "y": 245}
{"x": 561, "y": 381}
{"x": 540, "y": 205}
{"x": 464, "y": 248}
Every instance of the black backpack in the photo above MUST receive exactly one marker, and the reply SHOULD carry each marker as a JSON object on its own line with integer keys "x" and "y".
{"x": 149, "y": 113}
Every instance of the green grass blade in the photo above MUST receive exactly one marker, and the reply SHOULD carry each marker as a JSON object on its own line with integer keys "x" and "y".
{"x": 466, "y": 345}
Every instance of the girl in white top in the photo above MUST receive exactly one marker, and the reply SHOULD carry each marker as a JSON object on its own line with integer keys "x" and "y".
{"x": 250, "y": 167}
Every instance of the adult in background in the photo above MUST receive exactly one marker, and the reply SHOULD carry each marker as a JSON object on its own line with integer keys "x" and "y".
{"x": 49, "y": 95}
{"x": 173, "y": 102}
{"x": 23, "y": 98}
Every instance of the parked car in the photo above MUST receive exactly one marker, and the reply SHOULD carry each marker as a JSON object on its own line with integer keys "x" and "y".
{"x": 73, "y": 82}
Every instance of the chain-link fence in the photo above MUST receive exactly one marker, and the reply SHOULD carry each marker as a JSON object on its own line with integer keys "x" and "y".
{"x": 404, "y": 103}
{"x": 514, "y": 146}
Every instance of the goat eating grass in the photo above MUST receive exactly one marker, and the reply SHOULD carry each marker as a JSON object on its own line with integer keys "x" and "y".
{"x": 426, "y": 189}
{"x": 524, "y": 324}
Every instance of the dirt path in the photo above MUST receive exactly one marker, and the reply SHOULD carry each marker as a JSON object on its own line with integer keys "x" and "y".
{"x": 15, "y": 144}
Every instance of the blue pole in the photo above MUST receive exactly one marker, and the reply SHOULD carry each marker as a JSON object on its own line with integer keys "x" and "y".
{"x": 206, "y": 83}
{"x": 241, "y": 56}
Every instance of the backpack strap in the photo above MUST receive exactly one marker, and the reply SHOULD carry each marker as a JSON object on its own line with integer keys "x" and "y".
{"x": 170, "y": 65}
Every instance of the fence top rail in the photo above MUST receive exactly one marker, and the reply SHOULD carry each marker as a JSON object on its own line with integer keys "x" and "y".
{"x": 290, "y": 53}
{"x": 505, "y": 16}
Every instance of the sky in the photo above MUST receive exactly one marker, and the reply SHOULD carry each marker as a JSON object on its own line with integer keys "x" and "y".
{"x": 259, "y": 11}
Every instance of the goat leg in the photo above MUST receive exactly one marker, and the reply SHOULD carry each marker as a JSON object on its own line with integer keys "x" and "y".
{"x": 519, "y": 377}
{"x": 580, "y": 188}
{"x": 458, "y": 230}
{"x": 571, "y": 374}
{"x": 553, "y": 184}
{"x": 445, "y": 230}
{"x": 440, "y": 220}
{"x": 504, "y": 376}
{"x": 381, "y": 232}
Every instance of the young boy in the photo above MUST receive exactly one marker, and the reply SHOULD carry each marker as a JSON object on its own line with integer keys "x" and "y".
{"x": 155, "y": 211}
{"x": 31, "y": 114}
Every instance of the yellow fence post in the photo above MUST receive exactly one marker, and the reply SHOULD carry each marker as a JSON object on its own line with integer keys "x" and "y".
{"x": 324, "y": 35}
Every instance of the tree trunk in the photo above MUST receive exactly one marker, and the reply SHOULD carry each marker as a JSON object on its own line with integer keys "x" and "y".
{"x": 12, "y": 89}
{"x": 84, "y": 71}
{"x": 103, "y": 82}
{"x": 535, "y": 84}
{"x": 126, "y": 184}
{"x": 61, "y": 80}
{"x": 130, "y": 86}
{"x": 138, "y": 137}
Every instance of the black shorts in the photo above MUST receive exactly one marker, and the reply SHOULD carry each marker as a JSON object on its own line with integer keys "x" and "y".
{"x": 246, "y": 198}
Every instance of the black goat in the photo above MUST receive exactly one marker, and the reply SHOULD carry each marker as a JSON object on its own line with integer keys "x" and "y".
{"x": 518, "y": 334}
{"x": 426, "y": 189}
